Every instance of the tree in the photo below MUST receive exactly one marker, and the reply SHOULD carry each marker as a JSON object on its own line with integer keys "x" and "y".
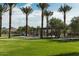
{"x": 27, "y": 11}
{"x": 2, "y": 10}
{"x": 47, "y": 14}
{"x": 64, "y": 9}
{"x": 42, "y": 6}
{"x": 31, "y": 32}
{"x": 57, "y": 26}
{"x": 9, "y": 8}
{"x": 37, "y": 30}
{"x": 74, "y": 25}
{"x": 4, "y": 30}
{"x": 20, "y": 29}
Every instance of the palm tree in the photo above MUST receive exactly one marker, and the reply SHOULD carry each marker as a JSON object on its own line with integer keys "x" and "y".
{"x": 10, "y": 6}
{"x": 27, "y": 11}
{"x": 47, "y": 14}
{"x": 64, "y": 9}
{"x": 2, "y": 9}
{"x": 42, "y": 6}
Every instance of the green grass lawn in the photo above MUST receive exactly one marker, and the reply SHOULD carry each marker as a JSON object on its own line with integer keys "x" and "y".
{"x": 37, "y": 47}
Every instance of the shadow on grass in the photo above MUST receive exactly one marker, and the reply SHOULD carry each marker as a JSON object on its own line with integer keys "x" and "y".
{"x": 3, "y": 38}
{"x": 67, "y": 54}
{"x": 62, "y": 40}
{"x": 22, "y": 53}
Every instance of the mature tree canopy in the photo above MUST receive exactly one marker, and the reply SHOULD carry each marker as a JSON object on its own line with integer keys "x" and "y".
{"x": 56, "y": 23}
{"x": 75, "y": 24}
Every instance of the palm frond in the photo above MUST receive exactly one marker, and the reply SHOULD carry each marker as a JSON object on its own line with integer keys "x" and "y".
{"x": 42, "y": 5}
{"x": 27, "y": 10}
{"x": 48, "y": 13}
{"x": 64, "y": 8}
{"x": 9, "y": 5}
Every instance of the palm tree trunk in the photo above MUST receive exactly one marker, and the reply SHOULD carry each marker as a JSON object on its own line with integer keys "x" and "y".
{"x": 41, "y": 33}
{"x": 47, "y": 26}
{"x": 51, "y": 32}
{"x": 26, "y": 24}
{"x": 0, "y": 24}
{"x": 64, "y": 24}
{"x": 10, "y": 14}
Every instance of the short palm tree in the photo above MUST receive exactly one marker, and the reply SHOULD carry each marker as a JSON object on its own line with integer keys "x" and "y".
{"x": 42, "y": 6}
{"x": 47, "y": 14}
{"x": 2, "y": 10}
{"x": 10, "y": 7}
{"x": 27, "y": 11}
{"x": 64, "y": 9}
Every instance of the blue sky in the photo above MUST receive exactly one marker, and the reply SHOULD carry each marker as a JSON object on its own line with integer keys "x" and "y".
{"x": 18, "y": 18}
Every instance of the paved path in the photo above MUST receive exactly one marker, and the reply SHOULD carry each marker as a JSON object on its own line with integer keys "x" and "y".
{"x": 18, "y": 38}
{"x": 27, "y": 37}
{"x": 24, "y": 37}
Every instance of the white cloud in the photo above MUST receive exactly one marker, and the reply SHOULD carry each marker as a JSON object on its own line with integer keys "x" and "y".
{"x": 18, "y": 18}
{"x": 28, "y": 5}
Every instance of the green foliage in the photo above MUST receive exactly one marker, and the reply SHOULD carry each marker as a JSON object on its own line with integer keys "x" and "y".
{"x": 48, "y": 13}
{"x": 27, "y": 10}
{"x": 9, "y": 5}
{"x": 21, "y": 29}
{"x": 75, "y": 24}
{"x": 64, "y": 8}
{"x": 3, "y": 8}
{"x": 43, "y": 6}
{"x": 56, "y": 23}
{"x": 57, "y": 26}
{"x": 4, "y": 30}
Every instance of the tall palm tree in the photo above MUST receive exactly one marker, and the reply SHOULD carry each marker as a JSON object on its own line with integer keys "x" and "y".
{"x": 47, "y": 14}
{"x": 2, "y": 10}
{"x": 42, "y": 6}
{"x": 27, "y": 11}
{"x": 10, "y": 7}
{"x": 64, "y": 9}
